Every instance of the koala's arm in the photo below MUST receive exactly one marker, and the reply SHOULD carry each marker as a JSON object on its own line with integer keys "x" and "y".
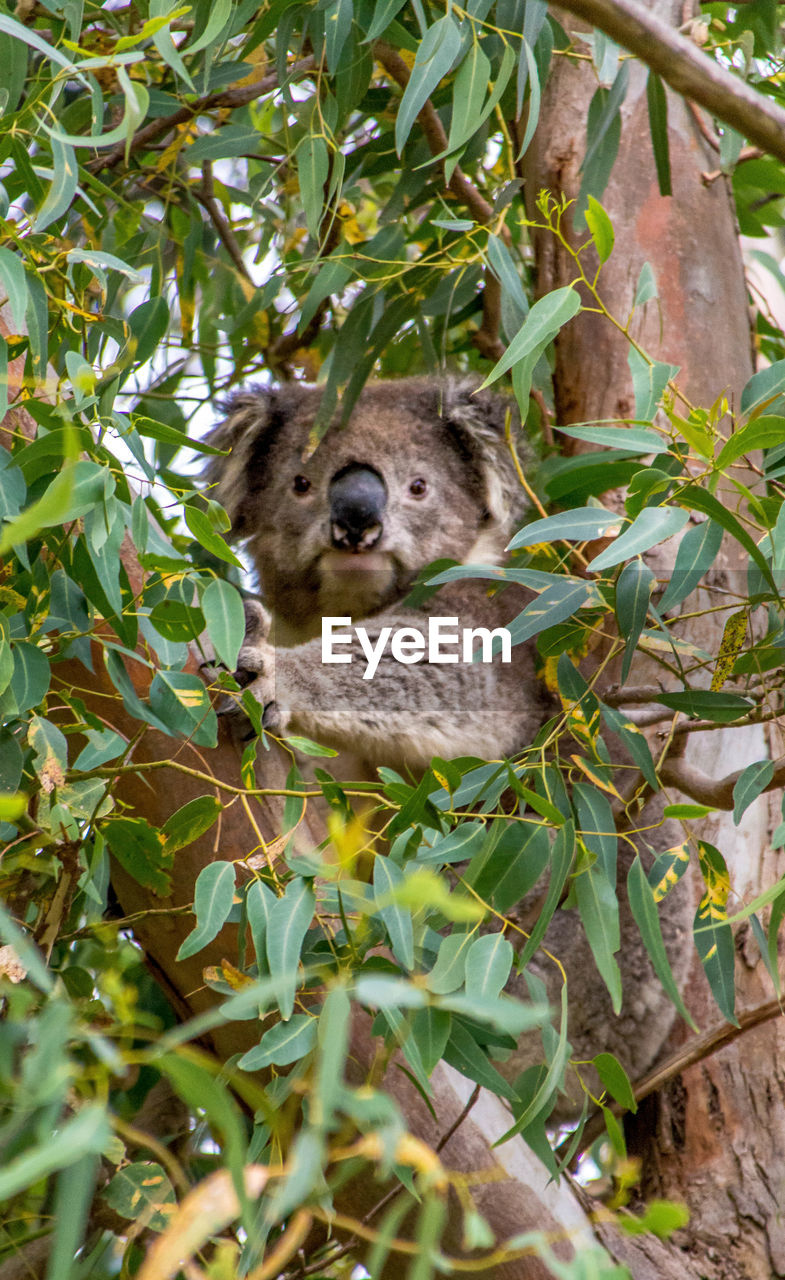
{"x": 406, "y": 713}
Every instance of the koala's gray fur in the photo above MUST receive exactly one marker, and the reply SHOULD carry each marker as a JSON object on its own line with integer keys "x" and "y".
{"x": 412, "y": 430}
{"x": 453, "y": 438}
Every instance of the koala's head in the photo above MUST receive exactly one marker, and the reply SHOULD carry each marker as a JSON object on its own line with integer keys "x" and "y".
{"x": 421, "y": 471}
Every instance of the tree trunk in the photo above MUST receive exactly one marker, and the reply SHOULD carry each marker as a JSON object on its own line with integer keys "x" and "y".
{"x": 715, "y": 1137}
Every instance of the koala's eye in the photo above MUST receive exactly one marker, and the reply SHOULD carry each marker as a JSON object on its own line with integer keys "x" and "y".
{"x": 301, "y": 484}
{"x": 418, "y": 488}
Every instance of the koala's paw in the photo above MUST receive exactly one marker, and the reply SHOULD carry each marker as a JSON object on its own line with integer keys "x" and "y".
{"x": 256, "y": 656}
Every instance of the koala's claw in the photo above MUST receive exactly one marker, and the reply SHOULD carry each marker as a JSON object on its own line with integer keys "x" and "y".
{"x": 245, "y": 675}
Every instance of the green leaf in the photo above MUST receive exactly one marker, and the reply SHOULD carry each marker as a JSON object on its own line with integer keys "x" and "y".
{"x": 224, "y": 615}
{"x": 337, "y": 25}
{"x": 458, "y": 845}
{"x": 546, "y": 318}
{"x": 148, "y": 323}
{"x": 615, "y": 1079}
{"x": 649, "y": 380}
{"x": 383, "y": 14}
{"x": 464, "y": 1054}
{"x": 220, "y": 14}
{"x": 86, "y": 1133}
{"x": 603, "y": 132}
{"x": 535, "y": 95}
{"x": 202, "y": 530}
{"x": 600, "y": 228}
{"x": 73, "y": 1194}
{"x": 308, "y": 747}
{"x": 695, "y": 556}
{"x": 488, "y": 963}
{"x": 763, "y": 388}
{"x": 634, "y": 741}
{"x": 696, "y": 499}
{"x": 722, "y": 708}
{"x": 19, "y": 32}
{"x": 137, "y": 101}
{"x": 284, "y": 1043}
{"x": 714, "y": 944}
{"x": 335, "y": 1021}
{"x": 436, "y": 53}
{"x": 753, "y": 781}
{"x": 761, "y": 433}
{"x": 646, "y": 288}
{"x": 556, "y": 604}
{"x": 652, "y": 526}
{"x": 711, "y": 930}
{"x": 657, "y": 101}
{"x": 162, "y": 39}
{"x": 99, "y": 261}
{"x": 313, "y": 167}
{"x": 597, "y": 827}
{"x": 646, "y": 916}
{"x": 65, "y": 176}
{"x": 599, "y": 911}
{"x": 37, "y": 320}
{"x": 551, "y": 1081}
{"x": 584, "y": 524}
{"x": 387, "y": 877}
{"x": 512, "y": 867}
{"x": 190, "y": 821}
{"x": 50, "y": 752}
{"x": 13, "y": 281}
{"x": 259, "y": 904}
{"x": 449, "y": 971}
{"x": 661, "y": 1219}
{"x": 290, "y": 919}
{"x": 213, "y": 900}
{"x": 430, "y": 1030}
{"x": 143, "y": 1193}
{"x": 630, "y": 439}
{"x": 506, "y": 272}
{"x": 634, "y": 586}
{"x": 562, "y": 853}
{"x": 469, "y": 91}
{"x": 31, "y": 675}
{"x": 180, "y": 702}
{"x": 383, "y": 991}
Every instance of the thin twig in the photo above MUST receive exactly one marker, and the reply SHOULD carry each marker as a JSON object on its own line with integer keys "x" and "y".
{"x": 696, "y": 1050}
{"x": 206, "y": 197}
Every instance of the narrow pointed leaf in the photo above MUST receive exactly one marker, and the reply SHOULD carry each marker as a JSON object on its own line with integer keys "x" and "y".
{"x": 646, "y": 916}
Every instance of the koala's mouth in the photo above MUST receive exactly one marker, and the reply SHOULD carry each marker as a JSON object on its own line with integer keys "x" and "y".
{"x": 355, "y": 561}
{"x": 356, "y": 583}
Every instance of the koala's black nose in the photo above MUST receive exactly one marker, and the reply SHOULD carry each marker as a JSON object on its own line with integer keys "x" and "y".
{"x": 358, "y": 496}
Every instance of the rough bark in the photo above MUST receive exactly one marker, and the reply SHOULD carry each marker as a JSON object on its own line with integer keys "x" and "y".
{"x": 715, "y": 1137}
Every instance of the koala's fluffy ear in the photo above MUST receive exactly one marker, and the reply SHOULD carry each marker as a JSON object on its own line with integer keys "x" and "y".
{"x": 478, "y": 419}
{"x": 253, "y": 420}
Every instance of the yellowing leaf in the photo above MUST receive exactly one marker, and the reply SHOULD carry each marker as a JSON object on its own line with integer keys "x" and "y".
{"x": 732, "y": 640}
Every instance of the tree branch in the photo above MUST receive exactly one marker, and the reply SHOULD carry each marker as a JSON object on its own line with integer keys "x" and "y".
{"x": 717, "y": 792}
{"x": 231, "y": 98}
{"x": 206, "y": 197}
{"x": 686, "y": 69}
{"x": 696, "y": 1050}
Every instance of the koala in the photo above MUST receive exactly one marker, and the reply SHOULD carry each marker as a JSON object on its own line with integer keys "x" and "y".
{"x": 420, "y": 472}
